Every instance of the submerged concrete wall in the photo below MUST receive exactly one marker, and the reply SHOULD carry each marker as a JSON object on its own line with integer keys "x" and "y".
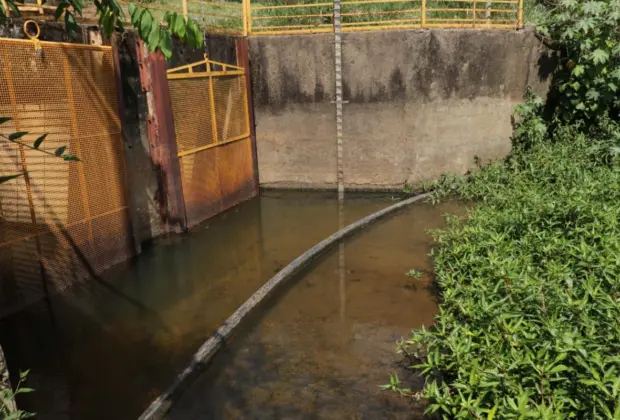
{"x": 420, "y": 103}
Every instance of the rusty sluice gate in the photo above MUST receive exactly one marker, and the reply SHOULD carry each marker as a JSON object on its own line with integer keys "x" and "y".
{"x": 61, "y": 222}
{"x": 212, "y": 126}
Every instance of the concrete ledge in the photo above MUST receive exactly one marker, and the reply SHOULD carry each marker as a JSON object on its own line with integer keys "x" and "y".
{"x": 162, "y": 404}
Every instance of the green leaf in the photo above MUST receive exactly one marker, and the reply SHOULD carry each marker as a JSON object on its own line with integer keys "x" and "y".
{"x": 170, "y": 19}
{"x": 39, "y": 140}
{"x": 60, "y": 151}
{"x": 77, "y": 6}
{"x": 146, "y": 23}
{"x": 7, "y": 178}
{"x": 558, "y": 369}
{"x": 131, "y": 8}
{"x": 578, "y": 70}
{"x": 71, "y": 158}
{"x": 107, "y": 21}
{"x": 70, "y": 23}
{"x": 60, "y": 9}
{"x": 154, "y": 37}
{"x": 593, "y": 95}
{"x": 14, "y": 8}
{"x": 4, "y": 119}
{"x": 165, "y": 44}
{"x": 600, "y": 56}
{"x": 18, "y": 135}
{"x": 180, "y": 26}
{"x": 194, "y": 34}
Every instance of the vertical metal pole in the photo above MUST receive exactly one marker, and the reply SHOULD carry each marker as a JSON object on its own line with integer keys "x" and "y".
{"x": 244, "y": 10}
{"x": 243, "y": 60}
{"x": 520, "y": 23}
{"x": 423, "y": 12}
{"x": 338, "y": 74}
{"x": 249, "y": 11}
{"x": 212, "y": 103}
{"x": 474, "y": 17}
{"x": 342, "y": 274}
{"x": 487, "y": 14}
{"x": 185, "y": 11}
{"x": 78, "y": 151}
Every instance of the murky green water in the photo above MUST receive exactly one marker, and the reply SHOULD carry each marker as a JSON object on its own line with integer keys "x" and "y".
{"x": 105, "y": 350}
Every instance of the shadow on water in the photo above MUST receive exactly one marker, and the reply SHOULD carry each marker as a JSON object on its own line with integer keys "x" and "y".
{"x": 104, "y": 349}
{"x": 321, "y": 347}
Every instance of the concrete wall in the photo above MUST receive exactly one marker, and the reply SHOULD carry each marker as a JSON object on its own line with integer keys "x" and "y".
{"x": 420, "y": 103}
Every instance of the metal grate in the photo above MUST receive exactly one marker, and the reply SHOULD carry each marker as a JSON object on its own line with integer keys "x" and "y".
{"x": 211, "y": 119}
{"x": 64, "y": 222}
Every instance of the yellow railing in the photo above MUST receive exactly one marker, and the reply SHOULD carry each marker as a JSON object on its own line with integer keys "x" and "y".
{"x": 275, "y": 17}
{"x": 364, "y": 15}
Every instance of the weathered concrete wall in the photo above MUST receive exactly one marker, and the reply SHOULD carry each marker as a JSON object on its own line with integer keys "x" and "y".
{"x": 420, "y": 103}
{"x": 143, "y": 183}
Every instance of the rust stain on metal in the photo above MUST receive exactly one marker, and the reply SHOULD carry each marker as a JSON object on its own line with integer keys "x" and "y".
{"x": 162, "y": 140}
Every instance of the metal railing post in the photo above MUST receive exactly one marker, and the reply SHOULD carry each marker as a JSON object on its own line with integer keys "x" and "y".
{"x": 247, "y": 17}
{"x": 520, "y": 23}
{"x": 423, "y": 13}
{"x": 474, "y": 15}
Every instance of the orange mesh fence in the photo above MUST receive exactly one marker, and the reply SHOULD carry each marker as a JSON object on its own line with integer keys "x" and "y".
{"x": 64, "y": 222}
{"x": 210, "y": 108}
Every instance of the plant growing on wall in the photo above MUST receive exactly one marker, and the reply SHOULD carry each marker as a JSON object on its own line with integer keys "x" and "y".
{"x": 8, "y": 411}
{"x": 156, "y": 35}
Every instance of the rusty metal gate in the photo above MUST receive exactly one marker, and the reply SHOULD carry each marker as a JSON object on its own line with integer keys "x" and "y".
{"x": 62, "y": 222}
{"x": 211, "y": 120}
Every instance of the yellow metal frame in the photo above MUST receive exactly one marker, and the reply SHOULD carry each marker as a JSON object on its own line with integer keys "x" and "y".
{"x": 254, "y": 20}
{"x": 250, "y": 17}
{"x": 188, "y": 72}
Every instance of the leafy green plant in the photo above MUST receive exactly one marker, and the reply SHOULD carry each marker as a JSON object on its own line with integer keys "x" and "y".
{"x": 156, "y": 35}
{"x": 586, "y": 36}
{"x": 529, "y": 326}
{"x": 415, "y": 274}
{"x": 7, "y": 398}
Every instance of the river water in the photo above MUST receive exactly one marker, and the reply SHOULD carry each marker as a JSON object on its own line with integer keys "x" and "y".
{"x": 318, "y": 350}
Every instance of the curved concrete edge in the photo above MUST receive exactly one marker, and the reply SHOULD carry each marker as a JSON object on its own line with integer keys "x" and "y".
{"x": 162, "y": 404}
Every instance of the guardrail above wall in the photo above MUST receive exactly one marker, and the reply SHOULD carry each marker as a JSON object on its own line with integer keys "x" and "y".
{"x": 274, "y": 17}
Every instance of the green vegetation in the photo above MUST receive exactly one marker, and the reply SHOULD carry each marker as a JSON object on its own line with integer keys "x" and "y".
{"x": 7, "y": 401}
{"x": 413, "y": 273}
{"x": 529, "y": 324}
{"x": 18, "y": 139}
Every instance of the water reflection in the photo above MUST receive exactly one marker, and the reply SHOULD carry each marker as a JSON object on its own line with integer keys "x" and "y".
{"x": 322, "y": 349}
{"x": 103, "y": 350}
